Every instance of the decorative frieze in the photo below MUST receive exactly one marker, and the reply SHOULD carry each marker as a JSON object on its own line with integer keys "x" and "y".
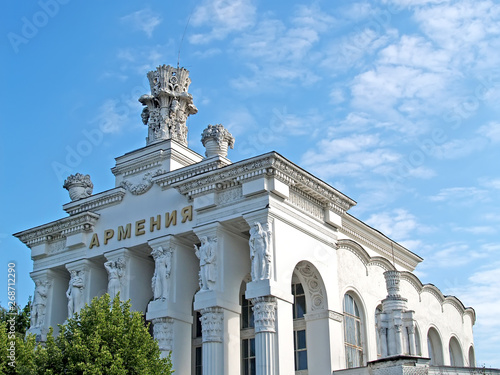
{"x": 314, "y": 285}
{"x": 144, "y": 185}
{"x": 211, "y": 324}
{"x": 306, "y": 204}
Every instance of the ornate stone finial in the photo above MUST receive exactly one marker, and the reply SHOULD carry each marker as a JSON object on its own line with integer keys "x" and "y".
{"x": 216, "y": 139}
{"x": 79, "y": 186}
{"x": 168, "y": 106}
{"x": 392, "y": 280}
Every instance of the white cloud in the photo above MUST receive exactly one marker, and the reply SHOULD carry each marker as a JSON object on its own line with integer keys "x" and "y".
{"x": 462, "y": 195}
{"x": 143, "y": 20}
{"x": 114, "y": 115}
{"x": 222, "y": 17}
{"x": 398, "y": 224}
{"x": 491, "y": 131}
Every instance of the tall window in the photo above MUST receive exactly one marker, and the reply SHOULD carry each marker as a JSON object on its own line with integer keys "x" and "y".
{"x": 247, "y": 338}
{"x": 352, "y": 333}
{"x": 197, "y": 344}
{"x": 299, "y": 328}
{"x": 378, "y": 310}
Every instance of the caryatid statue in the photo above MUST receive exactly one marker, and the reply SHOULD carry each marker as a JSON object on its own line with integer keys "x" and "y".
{"x": 116, "y": 270}
{"x": 39, "y": 303}
{"x": 160, "y": 282}
{"x": 75, "y": 292}
{"x": 260, "y": 252}
{"x": 208, "y": 269}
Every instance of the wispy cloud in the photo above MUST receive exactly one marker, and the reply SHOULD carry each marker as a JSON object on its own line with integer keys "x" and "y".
{"x": 461, "y": 195}
{"x": 144, "y": 20}
{"x": 221, "y": 17}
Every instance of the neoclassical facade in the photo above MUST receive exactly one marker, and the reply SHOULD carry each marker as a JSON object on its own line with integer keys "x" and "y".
{"x": 248, "y": 267}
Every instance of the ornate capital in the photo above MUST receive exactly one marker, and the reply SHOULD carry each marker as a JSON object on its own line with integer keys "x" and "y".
{"x": 211, "y": 324}
{"x": 392, "y": 280}
{"x": 264, "y": 309}
{"x": 163, "y": 331}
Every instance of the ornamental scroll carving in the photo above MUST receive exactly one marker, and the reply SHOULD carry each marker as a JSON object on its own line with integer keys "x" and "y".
{"x": 260, "y": 251}
{"x": 264, "y": 309}
{"x": 143, "y": 186}
{"x": 207, "y": 254}
{"x": 211, "y": 324}
{"x": 160, "y": 282}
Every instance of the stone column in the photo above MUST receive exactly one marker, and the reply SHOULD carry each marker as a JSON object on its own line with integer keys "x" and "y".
{"x": 264, "y": 309}
{"x": 213, "y": 350}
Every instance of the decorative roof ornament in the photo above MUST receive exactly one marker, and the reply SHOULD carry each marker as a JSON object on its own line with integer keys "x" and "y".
{"x": 79, "y": 186}
{"x": 216, "y": 139}
{"x": 168, "y": 106}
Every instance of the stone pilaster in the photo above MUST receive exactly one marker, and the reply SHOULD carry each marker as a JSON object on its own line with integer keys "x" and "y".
{"x": 212, "y": 338}
{"x": 264, "y": 309}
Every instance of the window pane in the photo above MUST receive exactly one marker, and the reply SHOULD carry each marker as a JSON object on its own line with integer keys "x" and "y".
{"x": 300, "y": 304}
{"x": 253, "y": 369}
{"x": 300, "y": 289}
{"x": 301, "y": 339}
{"x": 244, "y": 349}
{"x": 302, "y": 360}
{"x": 252, "y": 348}
{"x": 198, "y": 361}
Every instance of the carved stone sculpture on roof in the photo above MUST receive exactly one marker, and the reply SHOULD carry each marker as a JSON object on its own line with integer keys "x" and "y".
{"x": 168, "y": 106}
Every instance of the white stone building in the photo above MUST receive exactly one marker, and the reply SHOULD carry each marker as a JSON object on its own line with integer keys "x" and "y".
{"x": 251, "y": 267}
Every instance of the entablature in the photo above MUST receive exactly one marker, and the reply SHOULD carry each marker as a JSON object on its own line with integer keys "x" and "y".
{"x": 83, "y": 222}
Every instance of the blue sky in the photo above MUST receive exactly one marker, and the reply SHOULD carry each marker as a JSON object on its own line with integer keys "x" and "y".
{"x": 393, "y": 102}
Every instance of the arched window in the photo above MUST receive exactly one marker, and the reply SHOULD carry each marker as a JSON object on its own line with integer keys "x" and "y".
{"x": 353, "y": 333}
{"x": 456, "y": 357}
{"x": 472, "y": 357}
{"x": 299, "y": 327}
{"x": 435, "y": 347}
{"x": 247, "y": 338}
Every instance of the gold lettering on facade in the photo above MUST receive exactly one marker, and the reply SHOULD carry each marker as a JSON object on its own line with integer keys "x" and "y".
{"x": 154, "y": 223}
{"x": 170, "y": 218}
{"x": 124, "y": 233}
{"x": 94, "y": 241}
{"x": 108, "y": 234}
{"x": 139, "y": 227}
{"x": 187, "y": 213}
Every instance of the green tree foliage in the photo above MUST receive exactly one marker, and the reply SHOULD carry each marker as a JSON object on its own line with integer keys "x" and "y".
{"x": 22, "y": 316}
{"x": 105, "y": 338}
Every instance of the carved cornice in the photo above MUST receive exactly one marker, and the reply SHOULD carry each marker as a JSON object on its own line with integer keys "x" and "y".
{"x": 83, "y": 222}
{"x": 96, "y": 202}
{"x": 270, "y": 164}
{"x": 372, "y": 238}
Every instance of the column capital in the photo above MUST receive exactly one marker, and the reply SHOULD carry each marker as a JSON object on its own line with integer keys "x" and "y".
{"x": 211, "y": 324}
{"x": 264, "y": 309}
{"x": 163, "y": 331}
